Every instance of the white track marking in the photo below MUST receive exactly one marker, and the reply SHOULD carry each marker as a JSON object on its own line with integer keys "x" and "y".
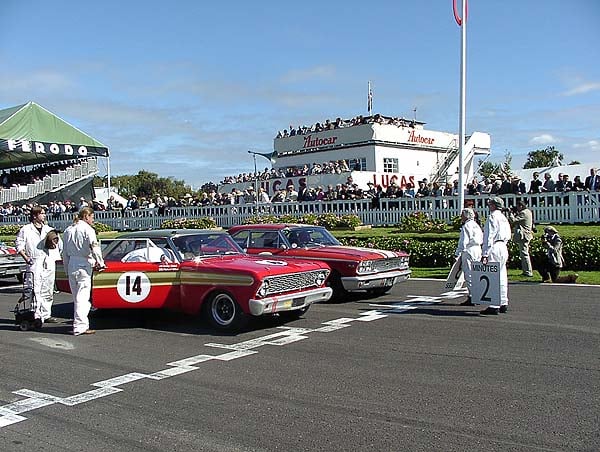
{"x": 53, "y": 343}
{"x": 12, "y": 412}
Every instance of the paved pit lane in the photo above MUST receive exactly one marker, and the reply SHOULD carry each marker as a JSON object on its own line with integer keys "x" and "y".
{"x": 411, "y": 370}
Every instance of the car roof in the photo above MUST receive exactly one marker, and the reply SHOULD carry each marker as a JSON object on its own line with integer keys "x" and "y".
{"x": 155, "y": 233}
{"x": 274, "y": 226}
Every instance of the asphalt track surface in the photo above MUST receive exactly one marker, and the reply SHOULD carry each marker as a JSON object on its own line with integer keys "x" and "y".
{"x": 409, "y": 371}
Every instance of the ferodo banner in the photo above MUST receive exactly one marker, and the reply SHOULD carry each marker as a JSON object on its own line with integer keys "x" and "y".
{"x": 62, "y": 149}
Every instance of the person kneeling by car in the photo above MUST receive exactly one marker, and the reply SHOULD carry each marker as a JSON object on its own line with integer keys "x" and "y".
{"x": 554, "y": 262}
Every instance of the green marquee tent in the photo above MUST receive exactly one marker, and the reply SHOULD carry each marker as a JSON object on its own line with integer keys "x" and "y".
{"x": 30, "y": 134}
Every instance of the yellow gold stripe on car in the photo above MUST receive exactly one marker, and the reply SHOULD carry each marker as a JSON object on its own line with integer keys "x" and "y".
{"x": 109, "y": 280}
{"x": 216, "y": 279}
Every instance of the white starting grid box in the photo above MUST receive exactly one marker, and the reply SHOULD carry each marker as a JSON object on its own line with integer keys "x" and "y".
{"x": 486, "y": 283}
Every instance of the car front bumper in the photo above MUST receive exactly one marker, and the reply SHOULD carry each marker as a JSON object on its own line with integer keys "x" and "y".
{"x": 375, "y": 280}
{"x": 289, "y": 302}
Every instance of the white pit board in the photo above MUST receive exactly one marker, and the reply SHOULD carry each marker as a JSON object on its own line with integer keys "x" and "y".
{"x": 486, "y": 283}
{"x": 456, "y": 277}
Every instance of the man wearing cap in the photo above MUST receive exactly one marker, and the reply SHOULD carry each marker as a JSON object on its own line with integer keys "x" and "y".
{"x": 496, "y": 234}
{"x": 521, "y": 218}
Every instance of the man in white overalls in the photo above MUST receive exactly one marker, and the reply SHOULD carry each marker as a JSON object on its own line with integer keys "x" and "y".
{"x": 81, "y": 255}
{"x": 496, "y": 234}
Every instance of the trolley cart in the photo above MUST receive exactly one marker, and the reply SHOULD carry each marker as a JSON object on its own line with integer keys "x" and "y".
{"x": 25, "y": 308}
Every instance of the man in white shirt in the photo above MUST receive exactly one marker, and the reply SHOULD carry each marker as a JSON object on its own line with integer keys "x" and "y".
{"x": 469, "y": 248}
{"x": 496, "y": 234}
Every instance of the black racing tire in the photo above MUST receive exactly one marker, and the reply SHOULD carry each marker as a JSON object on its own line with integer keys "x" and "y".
{"x": 379, "y": 291}
{"x": 293, "y": 315}
{"x": 24, "y": 325}
{"x": 335, "y": 282}
{"x": 37, "y": 324}
{"x": 224, "y": 313}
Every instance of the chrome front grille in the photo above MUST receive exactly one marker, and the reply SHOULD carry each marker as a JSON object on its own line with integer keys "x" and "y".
{"x": 393, "y": 263}
{"x": 295, "y": 281}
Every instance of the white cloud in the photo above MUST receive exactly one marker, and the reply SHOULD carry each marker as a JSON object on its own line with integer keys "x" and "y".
{"x": 592, "y": 145}
{"x": 583, "y": 88}
{"x": 543, "y": 139}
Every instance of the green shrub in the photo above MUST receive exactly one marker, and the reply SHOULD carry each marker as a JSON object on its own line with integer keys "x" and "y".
{"x": 423, "y": 253}
{"x": 579, "y": 253}
{"x": 327, "y": 220}
{"x": 10, "y": 229}
{"x": 420, "y": 222}
{"x": 191, "y": 223}
{"x": 348, "y": 221}
{"x": 101, "y": 227}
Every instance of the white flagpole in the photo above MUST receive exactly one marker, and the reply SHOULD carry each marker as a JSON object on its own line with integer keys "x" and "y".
{"x": 463, "y": 75}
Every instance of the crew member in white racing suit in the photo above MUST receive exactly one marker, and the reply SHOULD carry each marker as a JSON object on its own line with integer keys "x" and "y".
{"x": 496, "y": 234}
{"x": 39, "y": 277}
{"x": 469, "y": 248}
{"x": 81, "y": 255}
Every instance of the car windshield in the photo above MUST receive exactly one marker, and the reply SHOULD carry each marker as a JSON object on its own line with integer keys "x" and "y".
{"x": 137, "y": 250}
{"x": 309, "y": 236}
{"x": 205, "y": 244}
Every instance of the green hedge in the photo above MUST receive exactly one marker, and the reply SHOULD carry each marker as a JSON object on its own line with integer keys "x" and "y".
{"x": 327, "y": 220}
{"x": 187, "y": 223}
{"x": 579, "y": 253}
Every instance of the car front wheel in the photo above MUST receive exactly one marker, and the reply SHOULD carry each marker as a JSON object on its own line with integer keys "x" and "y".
{"x": 224, "y": 313}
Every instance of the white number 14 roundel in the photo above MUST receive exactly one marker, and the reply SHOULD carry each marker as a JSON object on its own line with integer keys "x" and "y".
{"x": 133, "y": 287}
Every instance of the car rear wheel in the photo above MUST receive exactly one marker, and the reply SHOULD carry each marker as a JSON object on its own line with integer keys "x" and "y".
{"x": 224, "y": 313}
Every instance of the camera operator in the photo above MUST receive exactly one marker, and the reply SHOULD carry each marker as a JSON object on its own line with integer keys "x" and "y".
{"x": 550, "y": 269}
{"x": 521, "y": 220}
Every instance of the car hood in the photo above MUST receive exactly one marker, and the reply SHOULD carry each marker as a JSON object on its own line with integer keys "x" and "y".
{"x": 346, "y": 252}
{"x": 257, "y": 265}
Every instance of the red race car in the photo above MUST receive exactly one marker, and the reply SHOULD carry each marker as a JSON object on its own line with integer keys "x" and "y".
{"x": 202, "y": 271}
{"x": 352, "y": 268}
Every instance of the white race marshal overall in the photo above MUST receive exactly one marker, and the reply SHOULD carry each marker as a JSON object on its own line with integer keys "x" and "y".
{"x": 81, "y": 255}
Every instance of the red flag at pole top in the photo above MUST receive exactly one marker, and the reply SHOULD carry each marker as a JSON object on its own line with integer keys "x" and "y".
{"x": 457, "y": 17}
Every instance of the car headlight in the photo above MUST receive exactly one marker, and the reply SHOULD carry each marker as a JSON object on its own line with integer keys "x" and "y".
{"x": 321, "y": 277}
{"x": 365, "y": 267}
{"x": 264, "y": 288}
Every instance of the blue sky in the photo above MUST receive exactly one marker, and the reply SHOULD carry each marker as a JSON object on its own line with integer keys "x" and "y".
{"x": 186, "y": 88}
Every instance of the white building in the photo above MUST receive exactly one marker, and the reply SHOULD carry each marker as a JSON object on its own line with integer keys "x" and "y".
{"x": 381, "y": 150}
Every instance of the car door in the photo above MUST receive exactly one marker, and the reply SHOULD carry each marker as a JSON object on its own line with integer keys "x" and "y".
{"x": 147, "y": 283}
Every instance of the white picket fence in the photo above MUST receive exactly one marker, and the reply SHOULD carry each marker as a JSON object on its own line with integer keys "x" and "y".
{"x": 555, "y": 208}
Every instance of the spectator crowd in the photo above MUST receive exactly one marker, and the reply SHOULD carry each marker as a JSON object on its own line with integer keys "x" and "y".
{"x": 349, "y": 190}
{"x": 340, "y": 123}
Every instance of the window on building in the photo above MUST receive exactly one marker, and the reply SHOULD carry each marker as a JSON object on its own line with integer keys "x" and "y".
{"x": 359, "y": 164}
{"x": 390, "y": 165}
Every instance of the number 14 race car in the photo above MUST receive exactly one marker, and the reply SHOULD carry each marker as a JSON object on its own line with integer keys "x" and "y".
{"x": 202, "y": 272}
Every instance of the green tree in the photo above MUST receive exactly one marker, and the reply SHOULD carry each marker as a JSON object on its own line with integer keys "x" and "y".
{"x": 543, "y": 157}
{"x": 147, "y": 184}
{"x": 486, "y": 169}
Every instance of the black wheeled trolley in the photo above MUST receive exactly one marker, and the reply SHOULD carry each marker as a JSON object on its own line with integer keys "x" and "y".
{"x": 25, "y": 308}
